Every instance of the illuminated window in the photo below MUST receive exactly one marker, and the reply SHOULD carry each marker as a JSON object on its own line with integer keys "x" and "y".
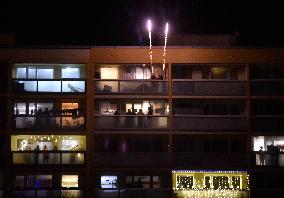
{"x": 185, "y": 182}
{"x": 109, "y": 181}
{"x": 69, "y": 181}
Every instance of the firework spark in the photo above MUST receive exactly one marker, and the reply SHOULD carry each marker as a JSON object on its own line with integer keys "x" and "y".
{"x": 149, "y": 24}
{"x": 165, "y": 46}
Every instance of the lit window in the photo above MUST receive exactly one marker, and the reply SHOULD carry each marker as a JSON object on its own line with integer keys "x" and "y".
{"x": 109, "y": 181}
{"x": 69, "y": 181}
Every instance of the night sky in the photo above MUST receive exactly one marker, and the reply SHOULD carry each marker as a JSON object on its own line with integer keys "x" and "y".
{"x": 123, "y": 22}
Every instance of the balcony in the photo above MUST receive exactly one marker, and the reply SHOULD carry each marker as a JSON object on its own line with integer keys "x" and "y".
{"x": 104, "y": 122}
{"x": 47, "y": 122}
{"x": 267, "y": 87}
{"x": 130, "y": 192}
{"x": 181, "y": 159}
{"x": 209, "y": 88}
{"x": 49, "y": 86}
{"x": 131, "y": 87}
{"x": 268, "y": 123}
{"x": 39, "y": 193}
{"x": 137, "y": 159}
{"x": 50, "y": 158}
{"x": 209, "y": 123}
{"x": 268, "y": 158}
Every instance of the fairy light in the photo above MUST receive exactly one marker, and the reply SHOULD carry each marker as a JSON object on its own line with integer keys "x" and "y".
{"x": 165, "y": 45}
{"x": 191, "y": 185}
{"x": 149, "y": 25}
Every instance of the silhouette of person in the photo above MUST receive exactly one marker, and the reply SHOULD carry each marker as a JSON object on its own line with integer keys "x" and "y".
{"x": 140, "y": 117}
{"x": 45, "y": 155}
{"x": 149, "y": 116}
{"x": 261, "y": 156}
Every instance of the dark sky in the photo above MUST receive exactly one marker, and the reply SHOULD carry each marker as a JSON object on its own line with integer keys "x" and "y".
{"x": 123, "y": 22}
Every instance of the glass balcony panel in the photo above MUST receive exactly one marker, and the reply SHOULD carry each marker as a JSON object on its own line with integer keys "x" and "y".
{"x": 50, "y": 157}
{"x": 47, "y": 158}
{"x": 49, "y": 86}
{"x": 48, "y": 193}
{"x": 268, "y": 123}
{"x": 265, "y": 158}
{"x": 209, "y": 88}
{"x": 20, "y": 86}
{"x": 131, "y": 86}
{"x": 73, "y": 123}
{"x": 267, "y": 88}
{"x": 73, "y": 86}
{"x": 73, "y": 158}
{"x": 24, "y": 194}
{"x": 153, "y": 159}
{"x": 131, "y": 122}
{"x": 138, "y": 193}
{"x": 210, "y": 123}
{"x": 72, "y": 193}
{"x": 45, "y": 122}
{"x": 209, "y": 159}
{"x": 24, "y": 158}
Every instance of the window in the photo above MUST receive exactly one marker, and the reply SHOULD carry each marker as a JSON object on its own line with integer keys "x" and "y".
{"x": 69, "y": 72}
{"x": 108, "y": 181}
{"x": 184, "y": 182}
{"x": 43, "y": 181}
{"x": 69, "y": 181}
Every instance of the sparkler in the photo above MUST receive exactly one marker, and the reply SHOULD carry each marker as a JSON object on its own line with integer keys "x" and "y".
{"x": 149, "y": 24}
{"x": 165, "y": 46}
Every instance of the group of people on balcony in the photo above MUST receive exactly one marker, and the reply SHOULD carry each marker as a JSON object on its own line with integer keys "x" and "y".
{"x": 45, "y": 155}
{"x": 131, "y": 115}
{"x": 49, "y": 118}
{"x": 271, "y": 157}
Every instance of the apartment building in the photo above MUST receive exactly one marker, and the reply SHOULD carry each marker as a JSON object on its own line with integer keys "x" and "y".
{"x": 109, "y": 122}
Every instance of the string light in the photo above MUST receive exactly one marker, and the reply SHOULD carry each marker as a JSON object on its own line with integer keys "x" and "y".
{"x": 221, "y": 183}
{"x": 149, "y": 25}
{"x": 165, "y": 45}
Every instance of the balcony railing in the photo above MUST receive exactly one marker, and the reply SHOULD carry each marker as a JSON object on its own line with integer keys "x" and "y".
{"x": 48, "y": 158}
{"x": 266, "y": 158}
{"x": 267, "y": 87}
{"x": 49, "y": 85}
{"x": 130, "y": 122}
{"x": 206, "y": 123}
{"x": 135, "y": 159}
{"x": 130, "y": 192}
{"x": 51, "y": 193}
{"x": 268, "y": 123}
{"x": 131, "y": 86}
{"x": 47, "y": 122}
{"x": 209, "y": 88}
{"x": 197, "y": 159}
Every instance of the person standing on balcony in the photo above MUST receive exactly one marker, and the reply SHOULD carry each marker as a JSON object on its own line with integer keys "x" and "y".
{"x": 261, "y": 156}
{"x": 117, "y": 118}
{"x": 140, "y": 117}
{"x": 149, "y": 116}
{"x": 128, "y": 119}
{"x": 45, "y": 155}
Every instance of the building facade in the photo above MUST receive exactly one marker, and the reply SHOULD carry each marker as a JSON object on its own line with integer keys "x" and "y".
{"x": 109, "y": 122}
